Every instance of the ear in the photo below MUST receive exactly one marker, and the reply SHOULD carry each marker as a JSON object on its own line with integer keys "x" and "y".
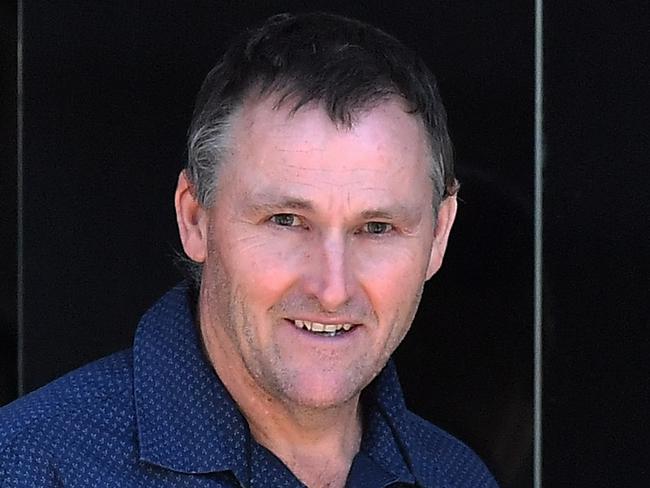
{"x": 444, "y": 222}
{"x": 192, "y": 220}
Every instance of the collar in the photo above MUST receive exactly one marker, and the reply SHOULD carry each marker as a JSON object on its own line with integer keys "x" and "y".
{"x": 188, "y": 422}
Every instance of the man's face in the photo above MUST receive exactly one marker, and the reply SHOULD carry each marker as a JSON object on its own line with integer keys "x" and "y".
{"x": 321, "y": 228}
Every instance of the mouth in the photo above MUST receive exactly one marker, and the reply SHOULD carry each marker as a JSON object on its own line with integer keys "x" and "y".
{"x": 323, "y": 329}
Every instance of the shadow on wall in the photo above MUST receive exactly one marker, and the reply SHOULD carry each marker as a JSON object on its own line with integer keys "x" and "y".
{"x": 467, "y": 363}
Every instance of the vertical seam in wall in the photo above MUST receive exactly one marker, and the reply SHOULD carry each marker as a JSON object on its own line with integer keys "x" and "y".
{"x": 20, "y": 289}
{"x": 538, "y": 291}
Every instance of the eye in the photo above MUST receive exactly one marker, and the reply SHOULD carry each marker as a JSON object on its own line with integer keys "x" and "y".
{"x": 286, "y": 220}
{"x": 377, "y": 227}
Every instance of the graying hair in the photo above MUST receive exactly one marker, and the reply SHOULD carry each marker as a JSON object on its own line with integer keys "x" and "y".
{"x": 207, "y": 148}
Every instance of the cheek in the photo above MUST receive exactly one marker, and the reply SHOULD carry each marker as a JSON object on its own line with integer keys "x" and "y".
{"x": 392, "y": 280}
{"x": 388, "y": 268}
{"x": 265, "y": 267}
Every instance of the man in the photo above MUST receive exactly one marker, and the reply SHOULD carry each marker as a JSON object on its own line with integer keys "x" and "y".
{"x": 317, "y": 199}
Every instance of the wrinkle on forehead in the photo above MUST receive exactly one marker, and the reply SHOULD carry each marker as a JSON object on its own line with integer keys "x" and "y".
{"x": 357, "y": 182}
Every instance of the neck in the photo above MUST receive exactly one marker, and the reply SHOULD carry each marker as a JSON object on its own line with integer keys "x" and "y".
{"x": 318, "y": 447}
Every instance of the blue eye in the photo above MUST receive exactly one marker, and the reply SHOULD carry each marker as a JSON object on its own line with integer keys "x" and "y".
{"x": 286, "y": 220}
{"x": 377, "y": 227}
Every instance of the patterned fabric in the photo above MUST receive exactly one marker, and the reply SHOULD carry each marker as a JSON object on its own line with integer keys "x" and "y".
{"x": 158, "y": 415}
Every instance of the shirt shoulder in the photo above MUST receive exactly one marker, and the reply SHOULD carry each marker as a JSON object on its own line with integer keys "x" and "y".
{"x": 44, "y": 429}
{"x": 443, "y": 460}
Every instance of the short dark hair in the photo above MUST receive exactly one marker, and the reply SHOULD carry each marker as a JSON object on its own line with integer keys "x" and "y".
{"x": 345, "y": 65}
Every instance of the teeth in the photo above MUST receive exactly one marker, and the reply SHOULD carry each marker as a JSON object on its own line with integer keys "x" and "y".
{"x": 329, "y": 329}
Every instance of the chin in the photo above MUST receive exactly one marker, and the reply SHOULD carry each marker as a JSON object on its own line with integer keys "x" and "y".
{"x": 324, "y": 391}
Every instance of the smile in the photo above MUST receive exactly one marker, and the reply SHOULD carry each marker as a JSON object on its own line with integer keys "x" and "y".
{"x": 324, "y": 329}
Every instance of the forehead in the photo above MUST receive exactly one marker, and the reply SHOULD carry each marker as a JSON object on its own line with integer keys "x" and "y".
{"x": 276, "y": 112}
{"x": 385, "y": 149}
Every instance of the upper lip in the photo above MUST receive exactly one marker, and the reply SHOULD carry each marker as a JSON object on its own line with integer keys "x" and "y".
{"x": 327, "y": 320}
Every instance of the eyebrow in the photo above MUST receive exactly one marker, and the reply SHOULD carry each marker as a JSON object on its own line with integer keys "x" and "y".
{"x": 268, "y": 202}
{"x": 396, "y": 212}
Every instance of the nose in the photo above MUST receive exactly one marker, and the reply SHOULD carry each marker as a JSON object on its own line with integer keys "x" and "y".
{"x": 330, "y": 276}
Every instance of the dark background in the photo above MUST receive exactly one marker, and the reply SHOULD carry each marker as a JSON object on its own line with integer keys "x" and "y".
{"x": 597, "y": 235}
{"x": 108, "y": 92}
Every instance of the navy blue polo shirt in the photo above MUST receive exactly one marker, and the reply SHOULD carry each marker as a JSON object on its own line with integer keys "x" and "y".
{"x": 158, "y": 415}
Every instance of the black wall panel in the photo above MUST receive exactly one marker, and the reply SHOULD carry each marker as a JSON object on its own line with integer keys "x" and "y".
{"x": 8, "y": 202}
{"x": 109, "y": 88}
{"x": 597, "y": 233}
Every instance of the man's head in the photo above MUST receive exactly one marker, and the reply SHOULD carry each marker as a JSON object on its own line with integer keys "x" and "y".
{"x": 317, "y": 198}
